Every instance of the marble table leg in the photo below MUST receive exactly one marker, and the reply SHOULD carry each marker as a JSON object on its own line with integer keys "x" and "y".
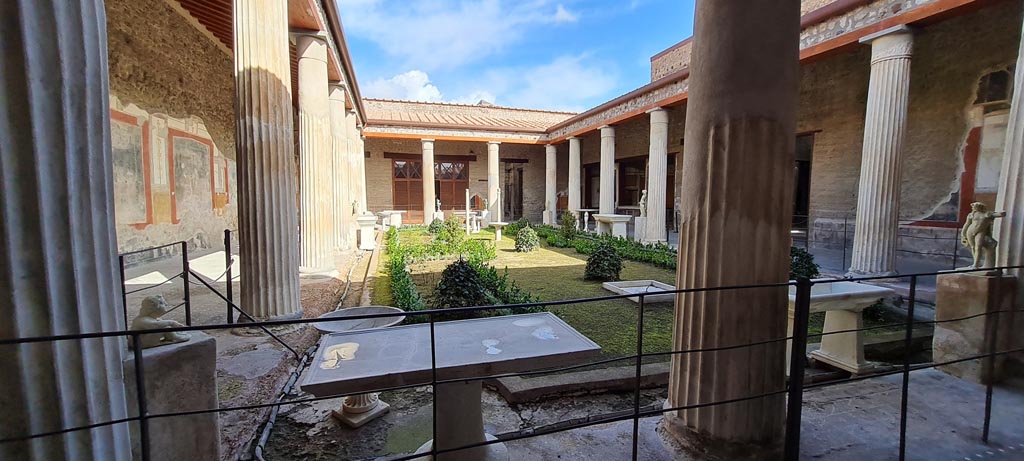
{"x": 460, "y": 422}
{"x": 359, "y": 409}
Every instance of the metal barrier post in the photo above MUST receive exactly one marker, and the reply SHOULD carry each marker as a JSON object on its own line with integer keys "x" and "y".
{"x": 956, "y": 245}
{"x": 908, "y": 340}
{"x": 184, "y": 278}
{"x": 795, "y": 398}
{"x": 124, "y": 290}
{"x": 990, "y": 362}
{"x": 846, "y": 224}
{"x": 140, "y": 397}
{"x": 636, "y": 384}
{"x": 227, "y": 272}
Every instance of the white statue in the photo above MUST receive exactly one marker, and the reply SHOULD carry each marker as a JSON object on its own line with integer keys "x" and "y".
{"x": 643, "y": 203}
{"x": 437, "y": 206}
{"x": 977, "y": 235}
{"x": 153, "y": 307}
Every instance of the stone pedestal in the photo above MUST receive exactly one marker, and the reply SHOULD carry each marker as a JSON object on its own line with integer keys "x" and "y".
{"x": 607, "y": 192}
{"x": 612, "y": 224}
{"x": 367, "y": 239}
{"x": 878, "y": 195}
{"x": 317, "y": 239}
{"x": 359, "y": 409}
{"x": 461, "y": 402}
{"x": 550, "y": 190}
{"x": 640, "y": 230}
{"x": 267, "y": 219}
{"x": 735, "y": 216}
{"x": 178, "y": 377}
{"x": 498, "y": 226}
{"x": 575, "y": 175}
{"x": 965, "y": 295}
{"x": 653, "y": 229}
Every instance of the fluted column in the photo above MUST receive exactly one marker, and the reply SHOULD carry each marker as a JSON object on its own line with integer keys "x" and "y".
{"x": 493, "y": 182}
{"x": 428, "y": 180}
{"x": 267, "y": 218}
{"x": 575, "y": 175}
{"x": 878, "y": 196}
{"x": 736, "y": 206}
{"x": 657, "y": 176}
{"x": 550, "y": 188}
{"x": 352, "y": 169}
{"x": 1009, "y": 231}
{"x": 316, "y": 224}
{"x": 607, "y": 192}
{"x": 57, "y": 269}
{"x": 342, "y": 203}
{"x": 361, "y": 172}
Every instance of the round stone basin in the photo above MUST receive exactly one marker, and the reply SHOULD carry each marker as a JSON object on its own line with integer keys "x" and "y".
{"x": 342, "y": 325}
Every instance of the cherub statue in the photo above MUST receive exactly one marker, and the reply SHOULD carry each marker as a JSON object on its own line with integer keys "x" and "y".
{"x": 437, "y": 205}
{"x": 643, "y": 203}
{"x": 977, "y": 235}
{"x": 153, "y": 307}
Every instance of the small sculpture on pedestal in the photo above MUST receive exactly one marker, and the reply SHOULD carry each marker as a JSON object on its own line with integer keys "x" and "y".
{"x": 153, "y": 307}
{"x": 977, "y": 236}
{"x": 643, "y": 203}
{"x": 437, "y": 205}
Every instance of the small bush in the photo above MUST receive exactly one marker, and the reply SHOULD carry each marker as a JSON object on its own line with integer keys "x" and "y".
{"x": 604, "y": 264}
{"x": 513, "y": 229}
{"x": 462, "y": 286}
{"x": 449, "y": 239}
{"x": 435, "y": 226}
{"x": 478, "y": 251}
{"x": 527, "y": 240}
{"x": 585, "y": 246}
{"x": 801, "y": 264}
{"x": 557, "y": 241}
{"x": 568, "y": 228}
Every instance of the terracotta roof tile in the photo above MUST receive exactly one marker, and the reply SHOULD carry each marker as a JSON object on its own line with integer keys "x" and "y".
{"x": 383, "y": 111}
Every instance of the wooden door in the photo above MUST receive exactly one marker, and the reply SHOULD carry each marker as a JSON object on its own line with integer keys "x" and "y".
{"x": 407, "y": 189}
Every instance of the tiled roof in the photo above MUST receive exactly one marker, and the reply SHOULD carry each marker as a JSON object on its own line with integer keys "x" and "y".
{"x": 480, "y": 116}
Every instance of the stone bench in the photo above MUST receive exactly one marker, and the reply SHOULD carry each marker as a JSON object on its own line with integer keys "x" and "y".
{"x": 613, "y": 224}
{"x": 843, "y": 304}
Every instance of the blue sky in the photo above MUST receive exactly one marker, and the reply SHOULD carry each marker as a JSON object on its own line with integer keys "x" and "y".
{"x": 544, "y": 54}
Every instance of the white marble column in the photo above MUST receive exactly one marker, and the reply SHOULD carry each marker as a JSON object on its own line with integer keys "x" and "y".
{"x": 550, "y": 187}
{"x": 342, "y": 203}
{"x": 657, "y": 176}
{"x": 878, "y": 196}
{"x": 429, "y": 199}
{"x": 361, "y": 172}
{"x": 575, "y": 176}
{"x": 316, "y": 224}
{"x": 607, "y": 192}
{"x": 1009, "y": 231}
{"x": 736, "y": 206}
{"x": 267, "y": 218}
{"x": 352, "y": 166}
{"x": 493, "y": 180}
{"x": 58, "y": 273}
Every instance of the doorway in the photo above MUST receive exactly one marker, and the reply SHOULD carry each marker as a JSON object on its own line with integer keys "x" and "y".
{"x": 512, "y": 195}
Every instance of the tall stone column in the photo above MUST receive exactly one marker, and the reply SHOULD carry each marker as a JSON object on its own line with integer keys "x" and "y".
{"x": 878, "y": 196}
{"x": 361, "y": 171}
{"x": 657, "y": 176}
{"x": 1009, "y": 231}
{"x": 429, "y": 198}
{"x": 607, "y": 193}
{"x": 316, "y": 239}
{"x": 267, "y": 219}
{"x": 493, "y": 181}
{"x": 575, "y": 176}
{"x": 58, "y": 274}
{"x": 352, "y": 169}
{"x": 342, "y": 203}
{"x": 736, "y": 206}
{"x": 550, "y": 187}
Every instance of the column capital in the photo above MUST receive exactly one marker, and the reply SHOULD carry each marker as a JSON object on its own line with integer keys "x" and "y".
{"x": 607, "y": 131}
{"x": 892, "y": 43}
{"x": 658, "y": 115}
{"x": 655, "y": 109}
{"x": 550, "y": 148}
{"x": 296, "y": 32}
{"x": 493, "y": 142}
{"x": 337, "y": 84}
{"x": 573, "y": 138}
{"x": 426, "y": 140}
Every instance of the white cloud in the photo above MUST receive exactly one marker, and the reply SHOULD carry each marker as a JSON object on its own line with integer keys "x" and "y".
{"x": 563, "y": 15}
{"x": 436, "y": 34}
{"x": 413, "y": 85}
{"x": 572, "y": 83}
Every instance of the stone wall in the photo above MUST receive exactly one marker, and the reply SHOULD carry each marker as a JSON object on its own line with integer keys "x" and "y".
{"x": 161, "y": 62}
{"x": 671, "y": 60}
{"x": 379, "y": 169}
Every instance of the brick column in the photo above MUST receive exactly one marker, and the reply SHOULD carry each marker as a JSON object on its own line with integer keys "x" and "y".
{"x": 735, "y": 222}
{"x": 58, "y": 273}
{"x": 267, "y": 219}
{"x": 878, "y": 196}
{"x": 316, "y": 239}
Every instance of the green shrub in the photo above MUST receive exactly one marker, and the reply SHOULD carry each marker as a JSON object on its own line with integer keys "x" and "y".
{"x": 513, "y": 229}
{"x": 462, "y": 286}
{"x": 504, "y": 289}
{"x": 404, "y": 294}
{"x": 478, "y": 251}
{"x": 557, "y": 241}
{"x": 449, "y": 239}
{"x": 604, "y": 264}
{"x": 435, "y": 226}
{"x": 801, "y": 264}
{"x": 568, "y": 228}
{"x": 585, "y": 245}
{"x": 527, "y": 240}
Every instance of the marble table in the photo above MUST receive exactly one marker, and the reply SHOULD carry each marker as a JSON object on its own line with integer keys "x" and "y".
{"x": 354, "y": 362}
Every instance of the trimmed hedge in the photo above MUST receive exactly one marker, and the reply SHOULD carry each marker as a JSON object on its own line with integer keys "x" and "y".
{"x": 527, "y": 240}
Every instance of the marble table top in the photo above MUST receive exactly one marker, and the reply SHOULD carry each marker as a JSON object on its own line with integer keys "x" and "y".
{"x": 353, "y": 362}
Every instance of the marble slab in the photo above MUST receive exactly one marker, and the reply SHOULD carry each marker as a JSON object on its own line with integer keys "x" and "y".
{"x": 353, "y": 362}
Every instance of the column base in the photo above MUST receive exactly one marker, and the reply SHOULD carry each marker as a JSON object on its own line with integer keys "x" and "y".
{"x": 853, "y": 273}
{"x": 492, "y": 452}
{"x": 329, "y": 271}
{"x": 703, "y": 446}
{"x": 355, "y": 420}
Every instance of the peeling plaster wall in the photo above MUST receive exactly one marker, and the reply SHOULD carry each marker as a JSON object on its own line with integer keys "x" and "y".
{"x": 162, "y": 63}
